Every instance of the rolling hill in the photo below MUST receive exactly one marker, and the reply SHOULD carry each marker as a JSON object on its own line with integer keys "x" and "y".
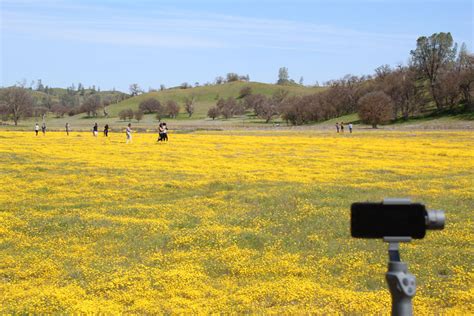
{"x": 207, "y": 96}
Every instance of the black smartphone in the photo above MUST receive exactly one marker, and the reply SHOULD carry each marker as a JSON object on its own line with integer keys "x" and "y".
{"x": 378, "y": 220}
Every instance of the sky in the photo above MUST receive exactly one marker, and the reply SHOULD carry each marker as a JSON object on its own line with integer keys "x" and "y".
{"x": 111, "y": 44}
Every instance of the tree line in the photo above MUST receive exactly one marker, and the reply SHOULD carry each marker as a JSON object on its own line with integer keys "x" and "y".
{"x": 439, "y": 78}
{"x": 20, "y": 101}
{"x": 169, "y": 109}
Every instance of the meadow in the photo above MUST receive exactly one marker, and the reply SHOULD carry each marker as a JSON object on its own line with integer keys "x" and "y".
{"x": 234, "y": 221}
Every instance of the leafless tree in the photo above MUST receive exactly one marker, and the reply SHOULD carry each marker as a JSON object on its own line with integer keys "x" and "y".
{"x": 138, "y": 115}
{"x": 16, "y": 103}
{"x": 245, "y": 91}
{"x": 59, "y": 110}
{"x": 189, "y": 106}
{"x": 213, "y": 112}
{"x": 405, "y": 90}
{"x": 91, "y": 105}
{"x": 465, "y": 67}
{"x": 135, "y": 89}
{"x": 126, "y": 114}
{"x": 172, "y": 108}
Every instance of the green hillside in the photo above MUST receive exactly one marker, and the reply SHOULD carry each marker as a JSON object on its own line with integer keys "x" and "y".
{"x": 206, "y": 96}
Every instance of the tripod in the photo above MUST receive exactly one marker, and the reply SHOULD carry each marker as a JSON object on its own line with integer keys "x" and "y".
{"x": 401, "y": 283}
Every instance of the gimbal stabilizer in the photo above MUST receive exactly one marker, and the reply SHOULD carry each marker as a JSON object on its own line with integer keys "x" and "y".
{"x": 396, "y": 221}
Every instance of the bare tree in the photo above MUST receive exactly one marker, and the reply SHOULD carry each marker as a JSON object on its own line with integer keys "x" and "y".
{"x": 172, "y": 108}
{"x": 16, "y": 103}
{"x": 91, "y": 105}
{"x": 138, "y": 115}
{"x": 59, "y": 110}
{"x": 213, "y": 112}
{"x": 126, "y": 114}
{"x": 280, "y": 95}
{"x": 402, "y": 86}
{"x": 266, "y": 110}
{"x": 227, "y": 108}
{"x": 254, "y": 101}
{"x": 189, "y": 106}
{"x": 245, "y": 91}
{"x": 382, "y": 71}
{"x": 135, "y": 89}
{"x": 375, "y": 108}
{"x": 465, "y": 66}
{"x": 447, "y": 89}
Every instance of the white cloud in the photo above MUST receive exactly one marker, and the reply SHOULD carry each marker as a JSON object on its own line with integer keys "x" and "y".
{"x": 181, "y": 29}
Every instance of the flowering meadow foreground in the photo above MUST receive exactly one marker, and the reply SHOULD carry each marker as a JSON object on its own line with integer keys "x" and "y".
{"x": 227, "y": 221}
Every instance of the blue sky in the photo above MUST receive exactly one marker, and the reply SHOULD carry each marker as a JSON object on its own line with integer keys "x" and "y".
{"x": 114, "y": 43}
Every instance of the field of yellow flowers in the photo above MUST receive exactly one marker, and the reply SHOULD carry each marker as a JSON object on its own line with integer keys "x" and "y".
{"x": 242, "y": 221}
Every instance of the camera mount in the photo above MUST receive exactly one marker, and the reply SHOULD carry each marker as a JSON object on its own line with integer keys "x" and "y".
{"x": 401, "y": 283}
{"x": 396, "y": 221}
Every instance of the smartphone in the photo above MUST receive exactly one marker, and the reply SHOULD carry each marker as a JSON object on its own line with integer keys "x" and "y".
{"x": 378, "y": 220}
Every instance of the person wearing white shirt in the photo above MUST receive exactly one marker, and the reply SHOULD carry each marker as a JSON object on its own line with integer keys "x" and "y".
{"x": 128, "y": 131}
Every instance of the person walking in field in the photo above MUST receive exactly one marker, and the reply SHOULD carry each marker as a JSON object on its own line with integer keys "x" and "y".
{"x": 160, "y": 132}
{"x": 37, "y": 128}
{"x": 95, "y": 130}
{"x": 350, "y": 128}
{"x": 165, "y": 132}
{"x": 128, "y": 131}
{"x": 106, "y": 130}
{"x": 43, "y": 128}
{"x": 67, "y": 129}
{"x": 342, "y": 127}
{"x": 337, "y": 127}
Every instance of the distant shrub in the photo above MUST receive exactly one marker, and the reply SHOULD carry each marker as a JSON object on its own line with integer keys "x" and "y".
{"x": 213, "y": 112}
{"x": 126, "y": 114}
{"x": 245, "y": 92}
{"x": 138, "y": 115}
{"x": 150, "y": 105}
{"x": 172, "y": 109}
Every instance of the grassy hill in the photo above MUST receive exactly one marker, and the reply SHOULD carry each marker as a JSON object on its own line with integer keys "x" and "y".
{"x": 207, "y": 96}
